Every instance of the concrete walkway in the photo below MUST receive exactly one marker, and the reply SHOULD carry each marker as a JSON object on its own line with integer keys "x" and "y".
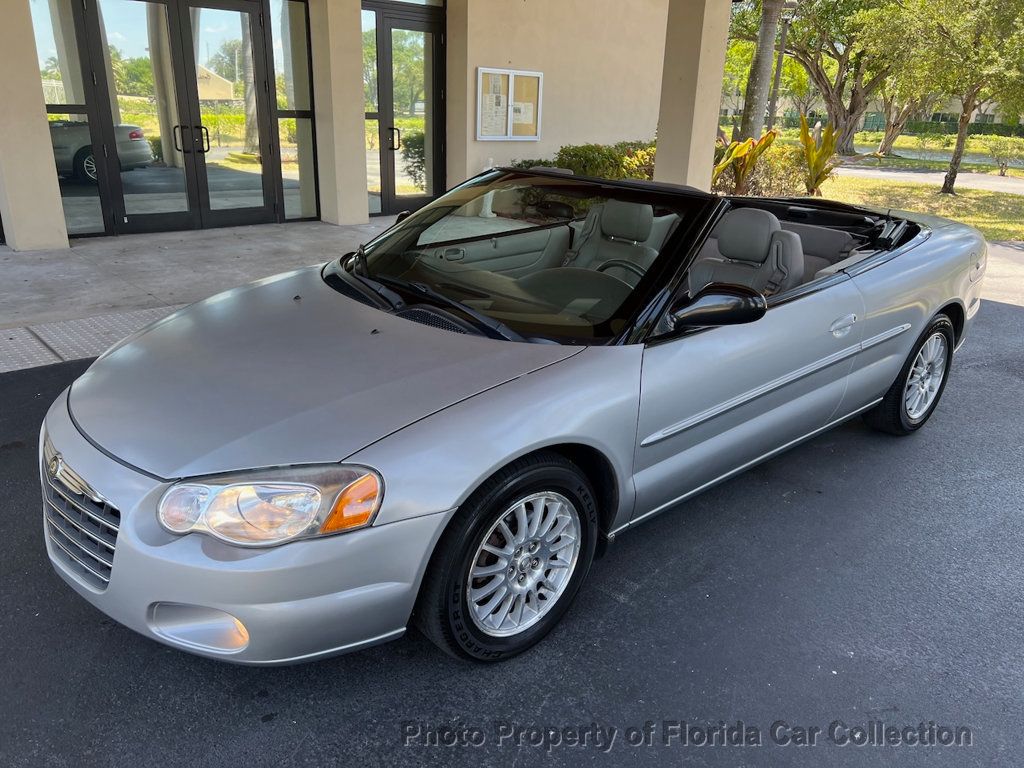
{"x": 68, "y": 304}
{"x": 964, "y": 180}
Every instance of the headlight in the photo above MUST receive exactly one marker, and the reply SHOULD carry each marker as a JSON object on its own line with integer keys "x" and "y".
{"x": 271, "y": 507}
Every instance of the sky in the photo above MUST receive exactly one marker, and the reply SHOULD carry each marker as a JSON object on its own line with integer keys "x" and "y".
{"x": 125, "y": 23}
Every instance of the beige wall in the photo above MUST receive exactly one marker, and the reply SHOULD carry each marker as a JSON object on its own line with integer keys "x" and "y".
{"x": 30, "y": 205}
{"x": 602, "y": 65}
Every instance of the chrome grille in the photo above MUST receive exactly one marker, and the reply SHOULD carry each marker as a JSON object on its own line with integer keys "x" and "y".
{"x": 81, "y": 525}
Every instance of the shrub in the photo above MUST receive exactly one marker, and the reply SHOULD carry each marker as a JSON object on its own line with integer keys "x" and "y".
{"x": 597, "y": 160}
{"x": 639, "y": 164}
{"x": 156, "y": 145}
{"x": 1005, "y": 150}
{"x": 779, "y": 173}
{"x": 415, "y": 157}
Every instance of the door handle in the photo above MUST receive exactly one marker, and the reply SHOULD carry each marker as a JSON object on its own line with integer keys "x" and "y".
{"x": 842, "y": 326}
{"x": 454, "y": 254}
{"x": 396, "y": 138}
{"x": 204, "y": 139}
{"x": 176, "y": 131}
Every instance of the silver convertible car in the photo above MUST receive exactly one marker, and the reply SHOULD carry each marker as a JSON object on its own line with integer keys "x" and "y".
{"x": 447, "y": 426}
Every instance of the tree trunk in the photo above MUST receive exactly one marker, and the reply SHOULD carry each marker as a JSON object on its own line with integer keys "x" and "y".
{"x": 759, "y": 79}
{"x": 252, "y": 144}
{"x": 896, "y": 118}
{"x": 969, "y": 102}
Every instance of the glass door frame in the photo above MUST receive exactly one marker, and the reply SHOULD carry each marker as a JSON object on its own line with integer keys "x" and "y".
{"x": 109, "y": 176}
{"x": 265, "y": 123}
{"x": 419, "y": 18}
{"x": 183, "y": 67}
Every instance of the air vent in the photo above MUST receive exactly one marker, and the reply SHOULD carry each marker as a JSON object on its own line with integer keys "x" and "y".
{"x": 435, "y": 318}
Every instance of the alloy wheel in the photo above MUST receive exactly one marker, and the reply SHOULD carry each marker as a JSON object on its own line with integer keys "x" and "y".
{"x": 925, "y": 377}
{"x": 524, "y": 564}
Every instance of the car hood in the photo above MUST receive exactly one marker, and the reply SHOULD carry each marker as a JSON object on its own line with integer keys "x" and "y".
{"x": 285, "y": 370}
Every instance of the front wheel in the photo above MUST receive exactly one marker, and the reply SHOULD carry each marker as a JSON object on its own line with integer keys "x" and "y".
{"x": 511, "y": 561}
{"x": 912, "y": 398}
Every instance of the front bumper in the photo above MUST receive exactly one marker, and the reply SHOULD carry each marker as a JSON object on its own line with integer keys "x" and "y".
{"x": 297, "y": 602}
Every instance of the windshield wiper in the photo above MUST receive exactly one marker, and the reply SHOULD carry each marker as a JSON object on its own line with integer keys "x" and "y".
{"x": 496, "y": 328}
{"x": 390, "y": 298}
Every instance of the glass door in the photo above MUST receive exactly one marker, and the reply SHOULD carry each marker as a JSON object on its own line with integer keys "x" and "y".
{"x": 186, "y": 126}
{"x": 402, "y": 76}
{"x": 229, "y": 135}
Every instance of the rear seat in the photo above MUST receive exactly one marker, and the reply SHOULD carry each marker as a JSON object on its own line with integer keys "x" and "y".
{"x": 823, "y": 247}
{"x": 825, "y": 250}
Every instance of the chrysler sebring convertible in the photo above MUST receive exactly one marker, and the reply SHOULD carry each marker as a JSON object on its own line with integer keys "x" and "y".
{"x": 444, "y": 428}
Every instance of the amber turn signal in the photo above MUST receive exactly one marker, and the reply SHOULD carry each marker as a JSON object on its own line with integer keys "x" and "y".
{"x": 355, "y": 505}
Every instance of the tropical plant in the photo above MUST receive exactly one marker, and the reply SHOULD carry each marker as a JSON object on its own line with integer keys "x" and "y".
{"x": 817, "y": 156}
{"x": 741, "y": 158}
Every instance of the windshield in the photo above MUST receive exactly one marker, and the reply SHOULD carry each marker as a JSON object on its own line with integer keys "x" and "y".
{"x": 550, "y": 257}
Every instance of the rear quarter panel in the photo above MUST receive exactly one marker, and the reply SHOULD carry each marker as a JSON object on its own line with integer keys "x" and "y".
{"x": 902, "y": 294}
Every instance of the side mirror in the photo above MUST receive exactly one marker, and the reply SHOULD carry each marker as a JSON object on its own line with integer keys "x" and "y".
{"x": 402, "y": 216}
{"x": 719, "y": 304}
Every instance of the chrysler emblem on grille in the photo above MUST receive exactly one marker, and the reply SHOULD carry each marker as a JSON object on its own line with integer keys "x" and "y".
{"x": 55, "y": 465}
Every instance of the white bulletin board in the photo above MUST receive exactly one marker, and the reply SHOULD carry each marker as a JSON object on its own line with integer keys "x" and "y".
{"x": 508, "y": 104}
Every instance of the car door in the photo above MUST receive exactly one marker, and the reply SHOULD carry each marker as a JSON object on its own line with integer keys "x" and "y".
{"x": 717, "y": 400}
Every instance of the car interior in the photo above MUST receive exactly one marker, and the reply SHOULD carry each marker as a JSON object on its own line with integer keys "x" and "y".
{"x": 522, "y": 250}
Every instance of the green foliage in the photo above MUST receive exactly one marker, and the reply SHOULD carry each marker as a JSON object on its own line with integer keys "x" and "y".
{"x": 740, "y": 158}
{"x": 817, "y": 156}
{"x": 132, "y": 76}
{"x": 1005, "y": 151}
{"x": 415, "y": 156}
{"x": 228, "y": 60}
{"x": 779, "y": 173}
{"x": 639, "y": 164}
{"x": 597, "y": 160}
{"x": 157, "y": 146}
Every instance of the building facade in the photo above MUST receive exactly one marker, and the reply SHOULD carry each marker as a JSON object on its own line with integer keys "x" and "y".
{"x": 127, "y": 116}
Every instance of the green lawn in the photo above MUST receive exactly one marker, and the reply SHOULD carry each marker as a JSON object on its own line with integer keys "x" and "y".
{"x": 998, "y": 215}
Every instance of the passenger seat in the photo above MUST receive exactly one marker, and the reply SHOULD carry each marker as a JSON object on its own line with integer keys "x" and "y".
{"x": 753, "y": 250}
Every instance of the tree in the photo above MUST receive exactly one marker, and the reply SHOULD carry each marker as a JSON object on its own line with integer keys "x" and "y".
{"x": 797, "y": 86}
{"x": 227, "y": 60}
{"x": 759, "y": 79}
{"x": 737, "y": 67}
{"x": 826, "y": 39}
{"x": 971, "y": 51}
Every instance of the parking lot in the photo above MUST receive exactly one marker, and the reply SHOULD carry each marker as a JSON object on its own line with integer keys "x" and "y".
{"x": 859, "y": 578}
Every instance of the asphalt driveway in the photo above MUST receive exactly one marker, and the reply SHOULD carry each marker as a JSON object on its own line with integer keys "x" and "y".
{"x": 859, "y": 578}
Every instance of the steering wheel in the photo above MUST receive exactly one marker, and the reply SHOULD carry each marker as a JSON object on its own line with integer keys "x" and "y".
{"x": 629, "y": 266}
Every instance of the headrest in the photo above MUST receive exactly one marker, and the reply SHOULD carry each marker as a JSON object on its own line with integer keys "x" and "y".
{"x": 745, "y": 234}
{"x": 627, "y": 221}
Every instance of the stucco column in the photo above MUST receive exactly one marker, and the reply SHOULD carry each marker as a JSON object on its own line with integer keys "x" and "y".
{"x": 691, "y": 87}
{"x": 30, "y": 204}
{"x": 460, "y": 92}
{"x": 336, "y": 31}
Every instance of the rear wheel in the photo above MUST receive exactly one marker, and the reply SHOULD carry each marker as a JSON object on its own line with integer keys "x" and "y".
{"x": 85, "y": 165}
{"x": 511, "y": 561}
{"x": 912, "y": 398}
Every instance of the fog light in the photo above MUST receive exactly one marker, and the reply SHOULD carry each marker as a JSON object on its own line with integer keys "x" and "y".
{"x": 196, "y": 626}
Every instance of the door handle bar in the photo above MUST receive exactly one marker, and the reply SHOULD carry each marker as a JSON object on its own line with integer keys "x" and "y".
{"x": 204, "y": 138}
{"x": 175, "y": 132}
{"x": 396, "y": 138}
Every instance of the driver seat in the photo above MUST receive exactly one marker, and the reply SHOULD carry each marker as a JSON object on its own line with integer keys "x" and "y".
{"x": 616, "y": 230}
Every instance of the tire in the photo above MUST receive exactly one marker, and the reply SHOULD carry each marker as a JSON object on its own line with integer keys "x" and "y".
{"x": 547, "y": 488}
{"x": 901, "y": 412}
{"x": 85, "y": 165}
